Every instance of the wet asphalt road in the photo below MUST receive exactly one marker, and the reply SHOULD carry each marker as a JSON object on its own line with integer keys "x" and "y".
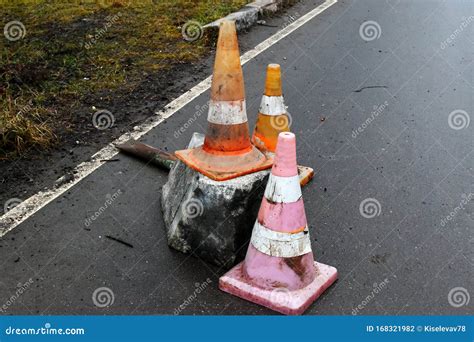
{"x": 381, "y": 113}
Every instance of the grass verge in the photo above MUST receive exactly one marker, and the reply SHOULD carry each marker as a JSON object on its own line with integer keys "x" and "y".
{"x": 54, "y": 54}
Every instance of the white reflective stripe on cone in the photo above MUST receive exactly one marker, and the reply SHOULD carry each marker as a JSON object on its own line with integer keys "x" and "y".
{"x": 278, "y": 244}
{"x": 283, "y": 189}
{"x": 272, "y": 105}
{"x": 227, "y": 112}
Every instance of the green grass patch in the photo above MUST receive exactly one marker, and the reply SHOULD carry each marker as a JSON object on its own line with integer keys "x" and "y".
{"x": 76, "y": 48}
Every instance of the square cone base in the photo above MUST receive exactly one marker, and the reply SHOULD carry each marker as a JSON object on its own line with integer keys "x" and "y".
{"x": 185, "y": 156}
{"x": 279, "y": 299}
{"x": 306, "y": 174}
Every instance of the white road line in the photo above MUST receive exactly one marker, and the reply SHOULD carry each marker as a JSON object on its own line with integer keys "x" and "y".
{"x": 24, "y": 210}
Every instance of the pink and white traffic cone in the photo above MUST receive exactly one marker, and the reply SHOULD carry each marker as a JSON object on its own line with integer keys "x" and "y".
{"x": 279, "y": 270}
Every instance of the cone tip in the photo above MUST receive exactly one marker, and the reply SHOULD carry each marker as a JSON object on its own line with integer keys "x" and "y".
{"x": 227, "y": 24}
{"x": 285, "y": 155}
{"x": 273, "y": 66}
{"x": 227, "y": 34}
{"x": 227, "y": 77}
{"x": 273, "y": 80}
{"x": 286, "y": 138}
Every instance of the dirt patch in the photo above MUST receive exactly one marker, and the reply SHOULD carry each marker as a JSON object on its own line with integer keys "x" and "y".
{"x": 39, "y": 169}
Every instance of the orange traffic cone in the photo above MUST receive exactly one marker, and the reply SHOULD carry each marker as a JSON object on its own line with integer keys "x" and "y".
{"x": 227, "y": 151}
{"x": 272, "y": 117}
{"x": 279, "y": 271}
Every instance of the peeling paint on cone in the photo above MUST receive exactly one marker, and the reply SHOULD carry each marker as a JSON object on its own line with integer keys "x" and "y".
{"x": 279, "y": 255}
{"x": 227, "y": 151}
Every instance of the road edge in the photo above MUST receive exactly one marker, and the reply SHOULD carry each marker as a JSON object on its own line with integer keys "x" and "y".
{"x": 251, "y": 13}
